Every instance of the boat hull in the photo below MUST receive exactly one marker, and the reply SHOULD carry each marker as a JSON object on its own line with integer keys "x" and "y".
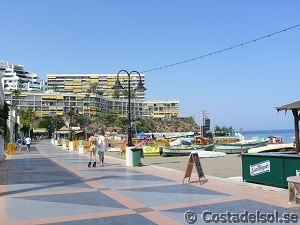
{"x": 180, "y": 151}
{"x": 152, "y": 151}
{"x": 235, "y": 148}
{"x": 273, "y": 148}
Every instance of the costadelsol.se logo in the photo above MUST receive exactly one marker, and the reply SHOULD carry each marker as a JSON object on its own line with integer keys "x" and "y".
{"x": 259, "y": 168}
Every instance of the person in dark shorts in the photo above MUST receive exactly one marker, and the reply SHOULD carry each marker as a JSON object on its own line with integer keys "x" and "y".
{"x": 28, "y": 143}
{"x": 92, "y": 150}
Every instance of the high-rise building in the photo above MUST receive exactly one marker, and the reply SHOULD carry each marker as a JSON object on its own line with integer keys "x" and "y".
{"x": 15, "y": 77}
{"x": 95, "y": 83}
{"x": 54, "y": 103}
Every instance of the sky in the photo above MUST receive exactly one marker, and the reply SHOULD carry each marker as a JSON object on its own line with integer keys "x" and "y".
{"x": 240, "y": 88}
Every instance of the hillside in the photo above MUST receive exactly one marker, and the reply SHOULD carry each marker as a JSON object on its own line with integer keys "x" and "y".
{"x": 180, "y": 124}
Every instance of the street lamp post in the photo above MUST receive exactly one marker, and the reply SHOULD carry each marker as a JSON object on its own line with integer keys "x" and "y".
{"x": 140, "y": 87}
{"x": 56, "y": 121}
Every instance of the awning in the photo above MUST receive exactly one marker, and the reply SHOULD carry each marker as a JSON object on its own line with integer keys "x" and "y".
{"x": 295, "y": 108}
{"x": 291, "y": 106}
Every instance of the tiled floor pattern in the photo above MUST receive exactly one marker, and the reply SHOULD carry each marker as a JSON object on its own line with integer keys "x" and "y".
{"x": 52, "y": 186}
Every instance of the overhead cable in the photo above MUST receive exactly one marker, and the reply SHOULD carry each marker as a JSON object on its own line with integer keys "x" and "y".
{"x": 222, "y": 50}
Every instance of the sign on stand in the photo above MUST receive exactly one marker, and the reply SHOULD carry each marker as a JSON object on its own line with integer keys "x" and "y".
{"x": 194, "y": 159}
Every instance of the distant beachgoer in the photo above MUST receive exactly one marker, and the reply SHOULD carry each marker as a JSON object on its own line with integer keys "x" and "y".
{"x": 153, "y": 137}
{"x": 28, "y": 143}
{"x": 92, "y": 150}
{"x": 101, "y": 147}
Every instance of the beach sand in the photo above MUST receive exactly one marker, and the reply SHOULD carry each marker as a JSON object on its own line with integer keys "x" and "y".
{"x": 228, "y": 166}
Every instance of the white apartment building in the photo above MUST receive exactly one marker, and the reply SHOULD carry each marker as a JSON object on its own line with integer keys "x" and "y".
{"x": 102, "y": 83}
{"x": 16, "y": 78}
{"x": 54, "y": 103}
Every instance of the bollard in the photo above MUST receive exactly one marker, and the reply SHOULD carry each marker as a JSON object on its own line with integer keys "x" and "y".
{"x": 80, "y": 147}
{"x": 71, "y": 146}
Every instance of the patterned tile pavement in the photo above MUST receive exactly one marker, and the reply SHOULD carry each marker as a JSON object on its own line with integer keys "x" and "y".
{"x": 49, "y": 185}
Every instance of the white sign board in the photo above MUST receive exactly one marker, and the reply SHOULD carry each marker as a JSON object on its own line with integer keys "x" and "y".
{"x": 259, "y": 168}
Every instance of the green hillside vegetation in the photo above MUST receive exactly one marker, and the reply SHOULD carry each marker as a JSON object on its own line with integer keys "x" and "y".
{"x": 147, "y": 125}
{"x": 107, "y": 123}
{"x": 180, "y": 124}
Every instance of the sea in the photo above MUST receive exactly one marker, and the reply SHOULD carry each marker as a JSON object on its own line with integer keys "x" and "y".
{"x": 288, "y": 135}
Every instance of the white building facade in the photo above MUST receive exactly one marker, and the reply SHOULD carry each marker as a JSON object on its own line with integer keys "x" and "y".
{"x": 15, "y": 77}
{"x": 102, "y": 83}
{"x": 55, "y": 103}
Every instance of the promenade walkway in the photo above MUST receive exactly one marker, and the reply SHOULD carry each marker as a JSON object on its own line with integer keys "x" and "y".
{"x": 53, "y": 186}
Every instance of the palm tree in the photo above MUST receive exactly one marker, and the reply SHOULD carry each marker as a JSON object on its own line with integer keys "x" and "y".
{"x": 116, "y": 94}
{"x": 54, "y": 88}
{"x": 132, "y": 94}
{"x": 29, "y": 119}
{"x": 94, "y": 88}
{"x": 99, "y": 92}
{"x": 14, "y": 105}
{"x": 4, "y": 115}
{"x": 15, "y": 93}
{"x": 71, "y": 115}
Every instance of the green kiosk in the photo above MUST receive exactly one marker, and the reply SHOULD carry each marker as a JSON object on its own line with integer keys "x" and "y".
{"x": 273, "y": 169}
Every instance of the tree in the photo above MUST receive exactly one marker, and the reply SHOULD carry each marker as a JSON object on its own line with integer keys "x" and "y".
{"x": 28, "y": 119}
{"x": 48, "y": 122}
{"x": 226, "y": 131}
{"x": 71, "y": 114}
{"x": 94, "y": 88}
{"x": 54, "y": 88}
{"x": 145, "y": 125}
{"x": 116, "y": 94}
{"x": 15, "y": 93}
{"x": 99, "y": 92}
{"x": 132, "y": 93}
{"x": 4, "y": 114}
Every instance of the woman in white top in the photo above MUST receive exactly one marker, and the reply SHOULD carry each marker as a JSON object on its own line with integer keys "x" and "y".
{"x": 28, "y": 143}
{"x": 101, "y": 147}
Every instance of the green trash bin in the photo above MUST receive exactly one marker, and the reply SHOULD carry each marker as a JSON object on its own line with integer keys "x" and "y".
{"x": 270, "y": 168}
{"x": 137, "y": 154}
{"x": 291, "y": 166}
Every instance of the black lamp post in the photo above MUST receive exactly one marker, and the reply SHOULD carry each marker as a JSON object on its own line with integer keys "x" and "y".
{"x": 140, "y": 87}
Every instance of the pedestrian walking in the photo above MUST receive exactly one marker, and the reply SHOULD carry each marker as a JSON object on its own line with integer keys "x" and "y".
{"x": 28, "y": 143}
{"x": 101, "y": 147}
{"x": 19, "y": 143}
{"x": 92, "y": 151}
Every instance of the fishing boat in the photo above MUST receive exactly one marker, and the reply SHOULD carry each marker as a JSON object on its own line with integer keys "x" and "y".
{"x": 152, "y": 150}
{"x": 153, "y": 147}
{"x": 241, "y": 146}
{"x": 181, "y": 150}
{"x": 207, "y": 154}
{"x": 273, "y": 148}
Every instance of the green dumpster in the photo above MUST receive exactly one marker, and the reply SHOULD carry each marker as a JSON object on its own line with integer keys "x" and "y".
{"x": 291, "y": 166}
{"x": 270, "y": 168}
{"x": 137, "y": 154}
